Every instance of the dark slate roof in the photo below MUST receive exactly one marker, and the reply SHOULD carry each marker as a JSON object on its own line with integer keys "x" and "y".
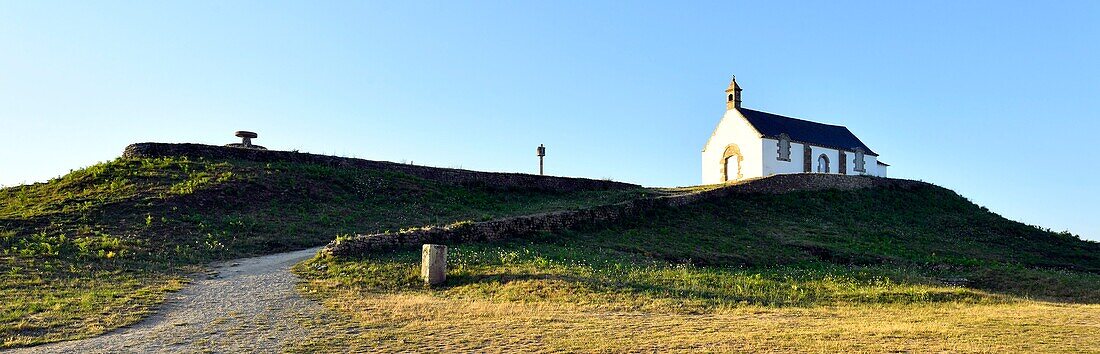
{"x": 804, "y": 131}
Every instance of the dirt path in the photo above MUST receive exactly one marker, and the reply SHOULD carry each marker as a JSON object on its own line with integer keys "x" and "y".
{"x": 250, "y": 305}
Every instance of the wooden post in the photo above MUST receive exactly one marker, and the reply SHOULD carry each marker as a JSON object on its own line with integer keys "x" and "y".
{"x": 433, "y": 266}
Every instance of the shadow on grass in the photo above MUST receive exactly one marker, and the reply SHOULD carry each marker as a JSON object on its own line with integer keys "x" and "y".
{"x": 772, "y": 292}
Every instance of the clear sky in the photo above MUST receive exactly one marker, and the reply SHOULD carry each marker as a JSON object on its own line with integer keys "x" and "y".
{"x": 996, "y": 100}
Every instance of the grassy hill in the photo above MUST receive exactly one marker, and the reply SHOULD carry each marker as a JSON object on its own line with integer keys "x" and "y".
{"x": 98, "y": 248}
{"x": 882, "y": 269}
{"x": 801, "y": 248}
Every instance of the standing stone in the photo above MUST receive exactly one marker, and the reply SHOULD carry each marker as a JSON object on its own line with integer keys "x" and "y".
{"x": 433, "y": 266}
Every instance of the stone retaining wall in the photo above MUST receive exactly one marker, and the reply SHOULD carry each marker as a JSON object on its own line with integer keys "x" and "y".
{"x": 515, "y": 227}
{"x": 496, "y": 180}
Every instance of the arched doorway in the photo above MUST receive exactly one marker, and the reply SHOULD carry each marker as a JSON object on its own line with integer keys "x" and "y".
{"x": 731, "y": 163}
{"x": 822, "y": 164}
{"x": 730, "y": 167}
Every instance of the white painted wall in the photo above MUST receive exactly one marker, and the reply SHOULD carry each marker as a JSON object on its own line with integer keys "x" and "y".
{"x": 761, "y": 154}
{"x": 772, "y": 164}
{"x": 732, "y": 129}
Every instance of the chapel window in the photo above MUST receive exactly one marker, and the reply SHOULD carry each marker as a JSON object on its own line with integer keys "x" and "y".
{"x": 860, "y": 163}
{"x": 784, "y": 145}
{"x": 823, "y": 164}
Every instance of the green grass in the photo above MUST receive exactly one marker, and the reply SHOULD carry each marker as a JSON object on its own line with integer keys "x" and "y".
{"x": 877, "y": 270}
{"x": 99, "y": 247}
{"x": 874, "y": 246}
{"x": 547, "y": 273}
{"x": 48, "y": 300}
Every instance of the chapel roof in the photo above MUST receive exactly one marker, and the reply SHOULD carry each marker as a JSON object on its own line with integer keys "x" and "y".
{"x": 804, "y": 131}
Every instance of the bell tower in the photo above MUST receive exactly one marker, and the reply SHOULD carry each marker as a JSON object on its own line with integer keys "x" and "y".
{"x": 733, "y": 95}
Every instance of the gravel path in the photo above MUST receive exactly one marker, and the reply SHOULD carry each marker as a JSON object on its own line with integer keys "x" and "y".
{"x": 249, "y": 305}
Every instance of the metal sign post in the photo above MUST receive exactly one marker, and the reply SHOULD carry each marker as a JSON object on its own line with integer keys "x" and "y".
{"x": 542, "y": 153}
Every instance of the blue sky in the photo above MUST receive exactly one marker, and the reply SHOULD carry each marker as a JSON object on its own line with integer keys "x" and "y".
{"x": 996, "y": 100}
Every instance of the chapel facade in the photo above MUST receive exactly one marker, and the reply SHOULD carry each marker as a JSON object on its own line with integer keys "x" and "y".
{"x": 749, "y": 143}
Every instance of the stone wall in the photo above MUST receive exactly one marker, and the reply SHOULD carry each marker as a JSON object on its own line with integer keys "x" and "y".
{"x": 496, "y": 180}
{"x": 521, "y": 226}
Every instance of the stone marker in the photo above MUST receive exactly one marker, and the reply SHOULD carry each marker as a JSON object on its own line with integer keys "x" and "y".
{"x": 433, "y": 266}
{"x": 246, "y": 137}
{"x": 246, "y": 140}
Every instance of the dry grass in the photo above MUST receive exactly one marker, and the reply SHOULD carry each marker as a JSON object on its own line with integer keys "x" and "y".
{"x": 420, "y": 323}
{"x": 38, "y": 309}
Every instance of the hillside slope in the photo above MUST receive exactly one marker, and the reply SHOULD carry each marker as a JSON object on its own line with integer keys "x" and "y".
{"x": 909, "y": 269}
{"x": 925, "y": 242}
{"x": 97, "y": 248}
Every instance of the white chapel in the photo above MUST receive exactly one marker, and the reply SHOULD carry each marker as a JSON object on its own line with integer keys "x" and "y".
{"x": 749, "y": 143}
